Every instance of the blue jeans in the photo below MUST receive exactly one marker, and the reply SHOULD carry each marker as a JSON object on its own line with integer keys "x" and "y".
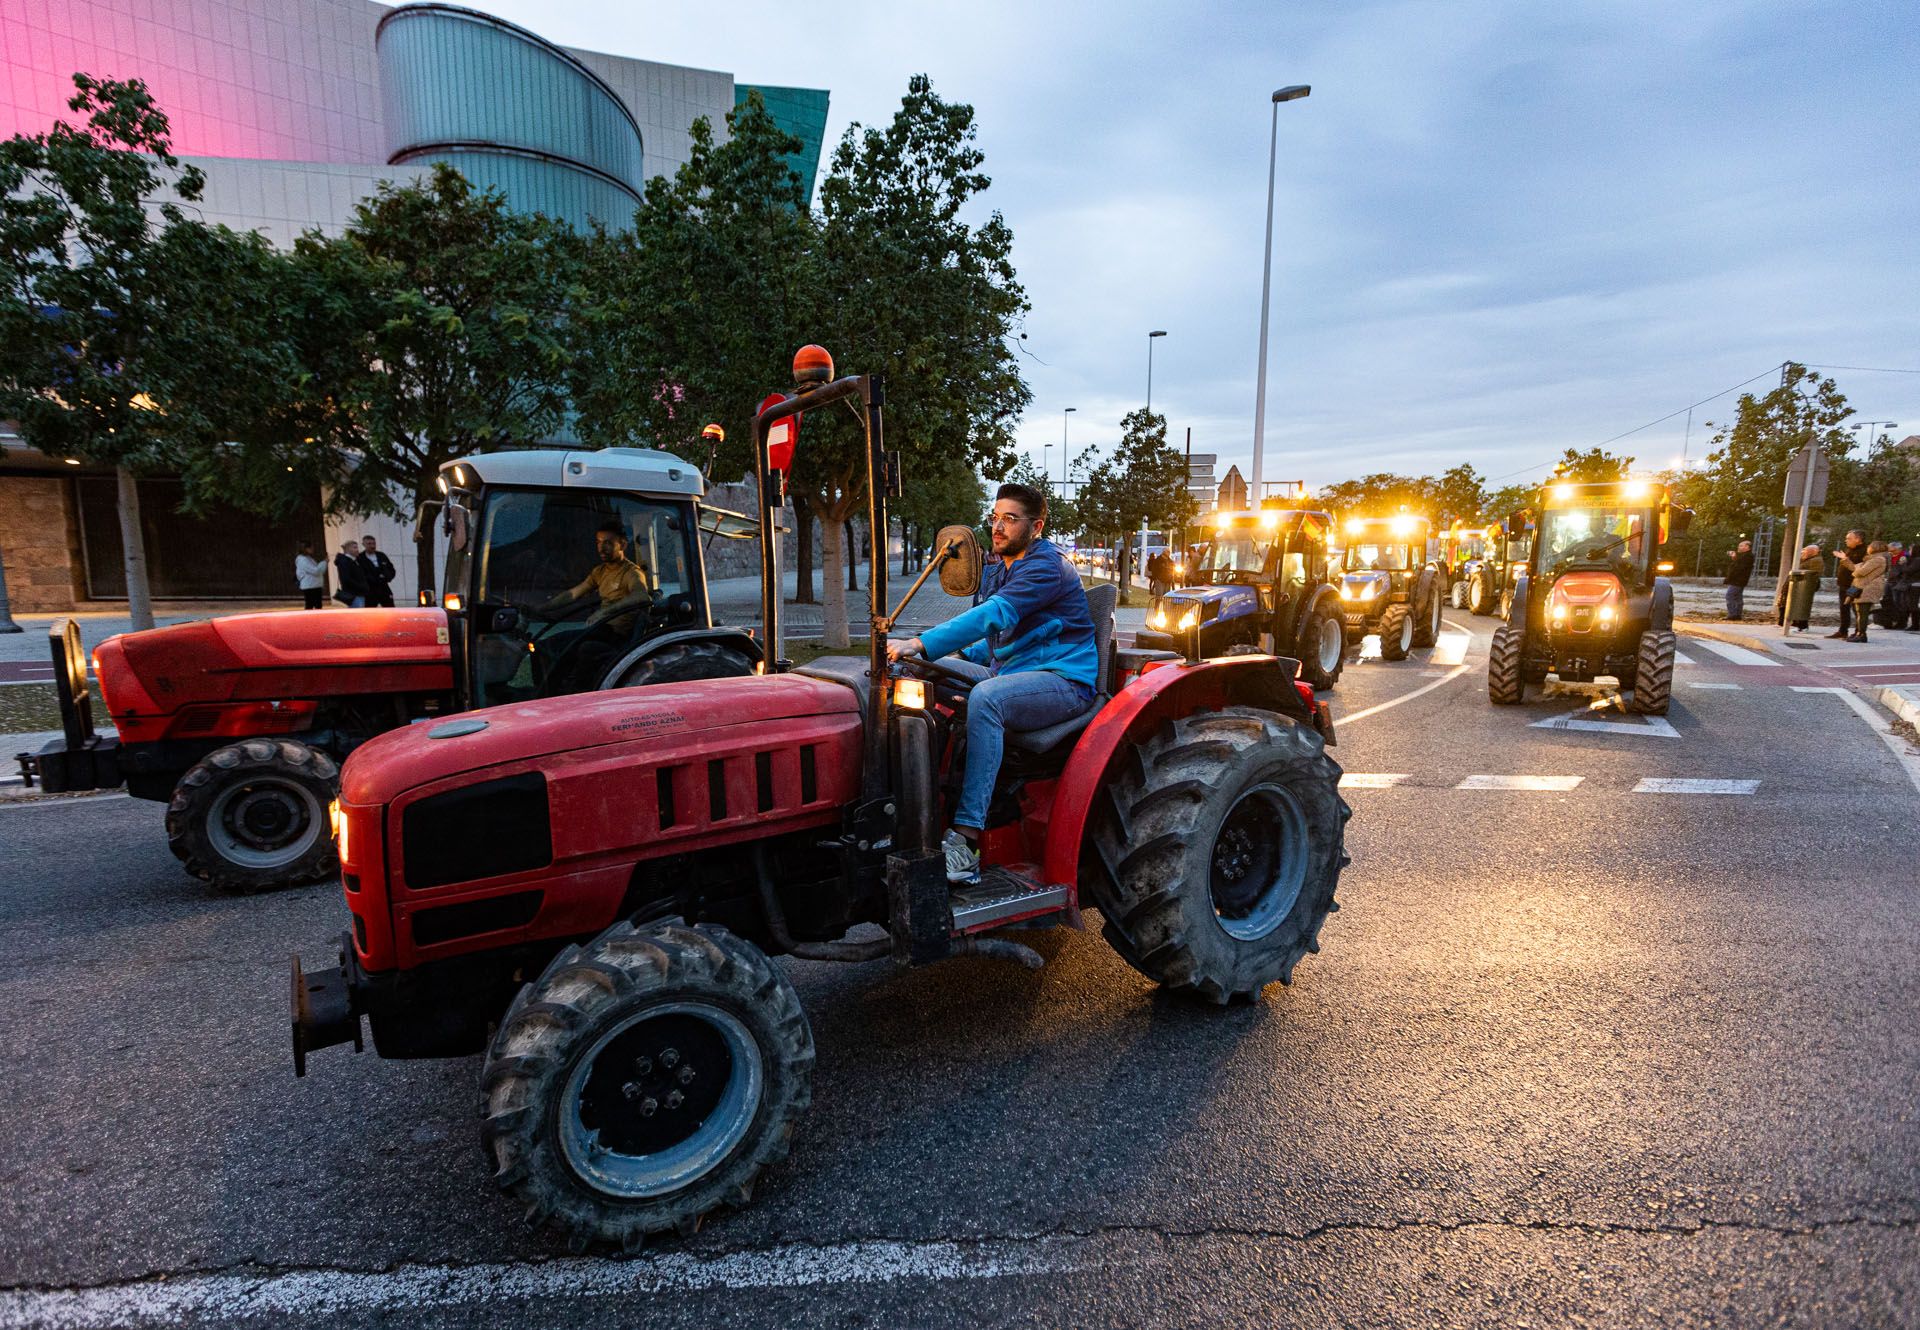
{"x": 1030, "y": 700}
{"x": 1736, "y": 601}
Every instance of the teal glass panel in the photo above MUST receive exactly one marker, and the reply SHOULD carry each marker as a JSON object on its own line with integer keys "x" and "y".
{"x": 534, "y": 184}
{"x": 802, "y": 112}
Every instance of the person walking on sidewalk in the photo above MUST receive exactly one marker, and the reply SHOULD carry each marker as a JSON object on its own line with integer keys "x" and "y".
{"x": 311, "y": 575}
{"x": 1803, "y": 586}
{"x": 1739, "y": 573}
{"x": 1846, "y": 557}
{"x": 1869, "y": 585}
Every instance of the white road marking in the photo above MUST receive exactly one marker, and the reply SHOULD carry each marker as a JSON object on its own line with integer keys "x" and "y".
{"x": 1468, "y": 631}
{"x": 15, "y": 805}
{"x": 1737, "y": 655}
{"x": 1734, "y": 686}
{"x": 1908, "y": 760}
{"x": 1396, "y": 701}
{"x": 1371, "y": 780}
{"x": 323, "y": 1295}
{"x": 1693, "y": 785}
{"x": 1450, "y": 648}
{"x": 1587, "y": 718}
{"x": 1682, "y": 658}
{"x": 1484, "y": 782}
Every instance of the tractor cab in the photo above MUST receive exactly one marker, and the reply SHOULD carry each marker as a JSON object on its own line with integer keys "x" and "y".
{"x": 573, "y": 571}
{"x": 1472, "y": 557}
{"x": 1257, "y": 585}
{"x": 1389, "y": 585}
{"x": 1592, "y": 600}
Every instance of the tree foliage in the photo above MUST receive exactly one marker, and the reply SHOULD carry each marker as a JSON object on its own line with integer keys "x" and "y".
{"x": 1143, "y": 484}
{"x": 1591, "y": 464}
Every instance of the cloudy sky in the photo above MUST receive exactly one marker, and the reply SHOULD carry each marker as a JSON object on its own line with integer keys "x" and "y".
{"x": 1501, "y": 229}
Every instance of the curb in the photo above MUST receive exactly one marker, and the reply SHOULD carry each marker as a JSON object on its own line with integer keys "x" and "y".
{"x": 1731, "y": 639}
{"x": 1903, "y": 707}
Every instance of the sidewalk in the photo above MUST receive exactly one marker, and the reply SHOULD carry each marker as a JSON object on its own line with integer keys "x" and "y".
{"x": 1886, "y": 667}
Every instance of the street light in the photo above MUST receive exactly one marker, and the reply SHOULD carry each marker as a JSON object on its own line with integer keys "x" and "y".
{"x": 1161, "y": 332}
{"x": 1066, "y": 411}
{"x": 1291, "y": 93}
{"x": 1869, "y": 426}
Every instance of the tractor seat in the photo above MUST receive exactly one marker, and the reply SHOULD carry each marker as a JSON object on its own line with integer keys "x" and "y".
{"x": 1101, "y": 601}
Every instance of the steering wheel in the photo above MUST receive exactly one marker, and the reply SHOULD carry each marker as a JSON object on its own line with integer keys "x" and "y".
{"x": 934, "y": 669}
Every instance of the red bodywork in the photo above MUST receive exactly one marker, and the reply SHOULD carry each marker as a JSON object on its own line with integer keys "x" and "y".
{"x": 266, "y": 673}
{"x": 602, "y": 755}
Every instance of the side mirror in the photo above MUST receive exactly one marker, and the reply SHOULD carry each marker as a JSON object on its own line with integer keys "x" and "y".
{"x": 1678, "y": 520}
{"x": 958, "y": 549}
{"x": 502, "y": 619}
{"x": 458, "y": 526}
{"x": 680, "y": 609}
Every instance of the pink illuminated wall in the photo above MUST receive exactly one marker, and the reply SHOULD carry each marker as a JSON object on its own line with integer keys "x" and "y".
{"x": 287, "y": 80}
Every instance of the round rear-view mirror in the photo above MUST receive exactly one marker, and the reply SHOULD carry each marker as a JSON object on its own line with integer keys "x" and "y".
{"x": 958, "y": 550}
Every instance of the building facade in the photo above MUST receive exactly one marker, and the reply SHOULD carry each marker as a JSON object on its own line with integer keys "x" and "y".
{"x": 296, "y": 110}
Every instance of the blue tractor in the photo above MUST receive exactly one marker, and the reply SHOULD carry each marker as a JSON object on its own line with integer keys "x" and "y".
{"x": 1261, "y": 583}
{"x": 1391, "y": 586}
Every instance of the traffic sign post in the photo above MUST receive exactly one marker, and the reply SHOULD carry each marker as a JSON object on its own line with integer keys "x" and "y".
{"x": 1806, "y": 488}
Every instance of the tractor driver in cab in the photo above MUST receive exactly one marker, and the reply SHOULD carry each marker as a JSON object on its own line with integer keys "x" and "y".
{"x": 1029, "y": 641}
{"x": 622, "y": 587}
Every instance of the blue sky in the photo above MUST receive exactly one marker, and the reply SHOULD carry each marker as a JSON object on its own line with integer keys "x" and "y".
{"x": 1501, "y": 229}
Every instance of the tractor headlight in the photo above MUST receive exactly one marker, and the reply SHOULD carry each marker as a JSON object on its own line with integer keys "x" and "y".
{"x": 1189, "y": 620}
{"x": 1559, "y": 613}
{"x": 1606, "y": 614}
{"x": 1158, "y": 619}
{"x": 339, "y": 824}
{"x": 910, "y": 694}
{"x": 1346, "y": 591}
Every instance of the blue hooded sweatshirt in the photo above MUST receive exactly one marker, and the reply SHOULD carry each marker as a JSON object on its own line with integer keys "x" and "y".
{"x": 1030, "y": 615}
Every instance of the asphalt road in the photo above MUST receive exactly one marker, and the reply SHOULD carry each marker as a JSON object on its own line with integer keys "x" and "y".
{"x": 1569, "y": 1056}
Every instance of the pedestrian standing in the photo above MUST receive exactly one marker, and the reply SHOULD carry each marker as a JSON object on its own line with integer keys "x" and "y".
{"x": 349, "y": 576}
{"x": 311, "y": 574}
{"x": 1849, "y": 554}
{"x": 1739, "y": 573}
{"x": 1910, "y": 578}
{"x": 1803, "y": 586}
{"x": 1898, "y": 606}
{"x": 1869, "y": 585}
{"x": 379, "y": 572}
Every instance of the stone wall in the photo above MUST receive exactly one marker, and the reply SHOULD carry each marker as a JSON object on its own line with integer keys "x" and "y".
{"x": 39, "y": 544}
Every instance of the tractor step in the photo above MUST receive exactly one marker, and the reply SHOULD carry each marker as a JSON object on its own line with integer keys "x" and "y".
{"x": 1001, "y": 896}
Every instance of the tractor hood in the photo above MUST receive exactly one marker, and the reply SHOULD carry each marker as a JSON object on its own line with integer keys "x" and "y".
{"x": 1360, "y": 586}
{"x": 273, "y": 658}
{"x": 550, "y": 731}
{"x": 1203, "y": 595}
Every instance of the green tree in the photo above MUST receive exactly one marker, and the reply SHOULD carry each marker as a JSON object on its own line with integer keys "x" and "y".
{"x": 944, "y": 491}
{"x": 1591, "y": 464}
{"x": 448, "y": 313}
{"x": 903, "y": 285}
{"x": 1459, "y": 494}
{"x": 1746, "y": 471}
{"x": 1143, "y": 484}
{"x": 1382, "y": 492}
{"x": 87, "y": 291}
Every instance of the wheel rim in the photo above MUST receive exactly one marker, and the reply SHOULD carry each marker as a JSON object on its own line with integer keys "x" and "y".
{"x": 661, "y": 1099}
{"x": 264, "y": 823}
{"x": 1406, "y": 634}
{"x": 1259, "y": 862}
{"x": 1436, "y": 616}
{"x": 1333, "y": 645}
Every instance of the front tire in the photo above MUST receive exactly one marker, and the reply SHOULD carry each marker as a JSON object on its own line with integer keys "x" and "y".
{"x": 680, "y": 663}
{"x": 253, "y": 816}
{"x": 1396, "y": 632}
{"x": 1457, "y": 595}
{"x": 1220, "y": 850}
{"x": 1323, "y": 649}
{"x": 1653, "y": 673}
{"x": 1480, "y": 597}
{"x": 1505, "y": 685}
{"x": 1426, "y": 629}
{"x": 644, "y": 1080}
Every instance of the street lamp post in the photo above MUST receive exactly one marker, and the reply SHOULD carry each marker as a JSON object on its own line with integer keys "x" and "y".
{"x": 1870, "y": 426}
{"x": 1291, "y": 93}
{"x": 1162, "y": 332}
{"x": 1065, "y": 479}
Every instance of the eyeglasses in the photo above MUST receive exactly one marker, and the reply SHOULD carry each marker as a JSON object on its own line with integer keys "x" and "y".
{"x": 1006, "y": 519}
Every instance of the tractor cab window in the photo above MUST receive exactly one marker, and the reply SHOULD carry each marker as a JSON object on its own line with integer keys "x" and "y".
{"x": 1363, "y": 557}
{"x": 1615, "y": 538}
{"x": 1234, "y": 553}
{"x": 589, "y": 572}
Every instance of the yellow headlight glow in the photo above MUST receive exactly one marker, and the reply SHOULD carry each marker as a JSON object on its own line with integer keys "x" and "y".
{"x": 910, "y": 694}
{"x": 1356, "y": 525}
{"x": 1189, "y": 620}
{"x": 1561, "y": 493}
{"x": 1158, "y": 619}
{"x": 1635, "y": 489}
{"x": 1403, "y": 526}
{"x": 339, "y": 824}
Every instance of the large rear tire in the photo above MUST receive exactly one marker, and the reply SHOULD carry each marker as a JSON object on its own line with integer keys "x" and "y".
{"x": 253, "y": 816}
{"x": 1653, "y": 673}
{"x": 1505, "y": 684}
{"x": 644, "y": 1080}
{"x": 1396, "y": 632}
{"x": 1323, "y": 649}
{"x": 1219, "y": 850}
{"x": 1426, "y": 625}
{"x": 680, "y": 663}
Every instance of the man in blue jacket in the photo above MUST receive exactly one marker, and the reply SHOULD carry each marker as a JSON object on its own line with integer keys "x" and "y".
{"x": 1029, "y": 639}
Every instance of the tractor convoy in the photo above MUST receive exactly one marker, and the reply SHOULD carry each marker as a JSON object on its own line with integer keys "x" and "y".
{"x": 566, "y": 572}
{"x": 589, "y": 889}
{"x": 1390, "y": 585}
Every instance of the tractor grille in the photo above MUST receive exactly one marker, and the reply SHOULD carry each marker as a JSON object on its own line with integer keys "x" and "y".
{"x": 485, "y": 830}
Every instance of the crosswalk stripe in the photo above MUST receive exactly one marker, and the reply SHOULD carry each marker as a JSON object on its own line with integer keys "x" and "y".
{"x": 1736, "y": 655}
{"x": 1734, "y": 686}
{"x": 1371, "y": 780}
{"x": 1487, "y": 782}
{"x": 1682, "y": 658}
{"x": 1693, "y": 785}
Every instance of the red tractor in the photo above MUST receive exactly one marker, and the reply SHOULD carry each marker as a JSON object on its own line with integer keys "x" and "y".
{"x": 589, "y": 888}
{"x": 238, "y": 724}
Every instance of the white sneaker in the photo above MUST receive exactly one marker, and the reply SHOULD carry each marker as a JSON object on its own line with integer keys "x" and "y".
{"x": 963, "y": 860}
